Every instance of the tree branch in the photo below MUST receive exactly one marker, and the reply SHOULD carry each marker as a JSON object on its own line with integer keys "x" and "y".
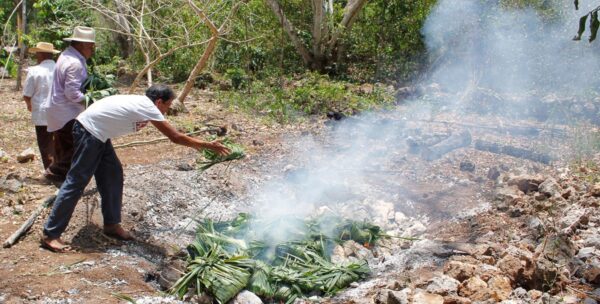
{"x": 350, "y": 12}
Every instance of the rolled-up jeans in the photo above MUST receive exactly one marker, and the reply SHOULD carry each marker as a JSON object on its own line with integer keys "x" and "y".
{"x": 91, "y": 157}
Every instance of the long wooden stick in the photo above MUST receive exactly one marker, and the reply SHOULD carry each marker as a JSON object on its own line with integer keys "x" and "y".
{"x": 23, "y": 229}
{"x": 152, "y": 141}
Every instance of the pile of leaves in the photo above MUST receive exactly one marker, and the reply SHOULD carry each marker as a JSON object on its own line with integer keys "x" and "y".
{"x": 212, "y": 158}
{"x": 97, "y": 86}
{"x": 280, "y": 260}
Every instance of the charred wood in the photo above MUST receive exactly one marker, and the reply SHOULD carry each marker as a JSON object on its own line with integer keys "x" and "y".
{"x": 417, "y": 142}
{"x": 511, "y": 130}
{"x": 453, "y": 142}
{"x": 512, "y": 151}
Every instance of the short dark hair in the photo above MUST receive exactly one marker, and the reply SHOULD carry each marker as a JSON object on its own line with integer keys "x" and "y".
{"x": 159, "y": 91}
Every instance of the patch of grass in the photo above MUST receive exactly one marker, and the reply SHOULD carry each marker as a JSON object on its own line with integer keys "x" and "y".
{"x": 312, "y": 94}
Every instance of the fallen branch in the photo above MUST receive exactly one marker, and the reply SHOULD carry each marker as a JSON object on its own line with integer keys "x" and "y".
{"x": 29, "y": 222}
{"x": 219, "y": 131}
{"x": 25, "y": 227}
{"x": 512, "y": 151}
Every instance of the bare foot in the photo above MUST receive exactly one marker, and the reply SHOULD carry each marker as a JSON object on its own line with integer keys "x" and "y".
{"x": 117, "y": 232}
{"x": 55, "y": 245}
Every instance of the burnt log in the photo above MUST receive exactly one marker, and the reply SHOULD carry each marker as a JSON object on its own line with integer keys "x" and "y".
{"x": 451, "y": 143}
{"x": 527, "y": 131}
{"x": 512, "y": 151}
{"x": 416, "y": 143}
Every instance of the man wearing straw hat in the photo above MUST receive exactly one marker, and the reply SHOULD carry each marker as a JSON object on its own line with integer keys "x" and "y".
{"x": 67, "y": 98}
{"x": 36, "y": 94}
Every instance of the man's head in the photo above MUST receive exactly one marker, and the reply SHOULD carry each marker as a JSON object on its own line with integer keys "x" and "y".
{"x": 43, "y": 51}
{"x": 161, "y": 95}
{"x": 39, "y": 56}
{"x": 86, "y": 49}
{"x": 83, "y": 40}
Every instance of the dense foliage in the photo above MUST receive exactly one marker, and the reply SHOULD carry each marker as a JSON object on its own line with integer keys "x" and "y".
{"x": 255, "y": 55}
{"x": 383, "y": 44}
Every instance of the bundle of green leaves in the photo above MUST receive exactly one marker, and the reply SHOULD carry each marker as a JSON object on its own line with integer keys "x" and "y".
{"x": 212, "y": 158}
{"x": 247, "y": 253}
{"x": 97, "y": 86}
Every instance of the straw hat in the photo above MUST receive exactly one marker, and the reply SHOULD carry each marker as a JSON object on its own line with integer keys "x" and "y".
{"x": 43, "y": 47}
{"x": 83, "y": 34}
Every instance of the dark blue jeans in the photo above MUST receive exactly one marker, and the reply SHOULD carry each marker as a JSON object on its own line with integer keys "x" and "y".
{"x": 92, "y": 157}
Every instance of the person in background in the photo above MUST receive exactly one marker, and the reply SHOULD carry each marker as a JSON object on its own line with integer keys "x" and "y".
{"x": 67, "y": 99}
{"x": 36, "y": 93}
{"x": 95, "y": 156}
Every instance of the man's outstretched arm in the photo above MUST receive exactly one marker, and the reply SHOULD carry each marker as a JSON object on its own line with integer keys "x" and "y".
{"x": 179, "y": 138}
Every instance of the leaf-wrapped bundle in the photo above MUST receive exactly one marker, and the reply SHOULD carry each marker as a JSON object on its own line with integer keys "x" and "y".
{"x": 212, "y": 158}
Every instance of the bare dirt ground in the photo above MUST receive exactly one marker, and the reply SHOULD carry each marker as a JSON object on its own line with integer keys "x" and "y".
{"x": 164, "y": 196}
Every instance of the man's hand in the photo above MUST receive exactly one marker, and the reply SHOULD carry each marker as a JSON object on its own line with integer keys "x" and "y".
{"x": 28, "y": 102}
{"x": 179, "y": 138}
{"x": 217, "y": 147}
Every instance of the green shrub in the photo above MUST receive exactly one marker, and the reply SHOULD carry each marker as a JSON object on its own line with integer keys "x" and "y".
{"x": 10, "y": 66}
{"x": 109, "y": 67}
{"x": 287, "y": 100}
{"x": 237, "y": 77}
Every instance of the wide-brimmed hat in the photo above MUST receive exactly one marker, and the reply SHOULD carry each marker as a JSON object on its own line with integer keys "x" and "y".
{"x": 83, "y": 34}
{"x": 43, "y": 47}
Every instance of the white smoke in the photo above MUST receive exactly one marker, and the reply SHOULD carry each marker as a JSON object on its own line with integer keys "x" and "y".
{"x": 472, "y": 43}
{"x": 510, "y": 50}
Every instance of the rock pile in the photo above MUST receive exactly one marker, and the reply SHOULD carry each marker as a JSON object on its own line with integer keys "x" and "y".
{"x": 552, "y": 256}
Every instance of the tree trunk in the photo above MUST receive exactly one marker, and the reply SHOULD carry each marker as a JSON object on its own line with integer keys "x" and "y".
{"x": 291, "y": 32}
{"x": 146, "y": 54}
{"x": 149, "y": 71}
{"x": 124, "y": 40}
{"x": 351, "y": 11}
{"x": 319, "y": 21}
{"x": 325, "y": 38}
{"x": 178, "y": 105}
{"x": 330, "y": 6}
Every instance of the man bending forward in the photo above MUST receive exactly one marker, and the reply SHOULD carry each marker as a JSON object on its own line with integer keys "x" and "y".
{"x": 95, "y": 156}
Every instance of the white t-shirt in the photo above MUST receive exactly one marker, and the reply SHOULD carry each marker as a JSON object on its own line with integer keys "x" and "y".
{"x": 119, "y": 115}
{"x": 38, "y": 85}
